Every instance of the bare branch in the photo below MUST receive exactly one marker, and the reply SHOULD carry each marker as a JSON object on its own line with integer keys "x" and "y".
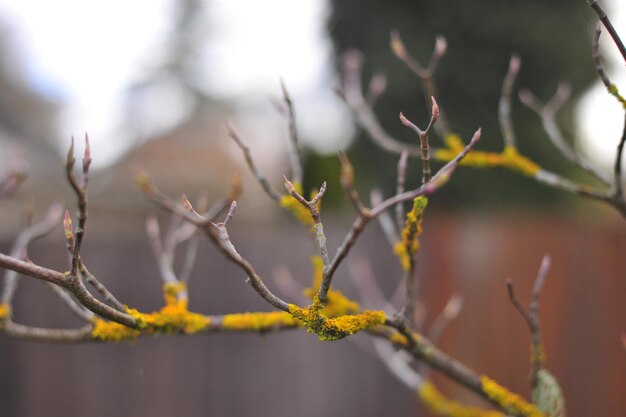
{"x": 347, "y": 182}
{"x": 400, "y": 184}
{"x": 294, "y": 150}
{"x": 448, "y": 314}
{"x": 617, "y": 172}
{"x": 531, "y": 316}
{"x": 386, "y": 222}
{"x": 547, "y": 113}
{"x": 609, "y": 26}
{"x": 269, "y": 190}
{"x": 597, "y": 58}
{"x": 504, "y": 106}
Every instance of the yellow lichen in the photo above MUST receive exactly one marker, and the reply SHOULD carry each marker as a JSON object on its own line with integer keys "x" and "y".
{"x": 174, "y": 317}
{"x": 171, "y": 291}
{"x": 338, "y": 327}
{"x": 438, "y": 404}
{"x": 406, "y": 248}
{"x": 258, "y": 321}
{"x": 615, "y": 92}
{"x": 112, "y": 331}
{"x": 508, "y": 401}
{"x": 537, "y": 354}
{"x": 5, "y": 311}
{"x": 301, "y": 213}
{"x": 398, "y": 339}
{"x": 337, "y": 304}
{"x": 509, "y": 158}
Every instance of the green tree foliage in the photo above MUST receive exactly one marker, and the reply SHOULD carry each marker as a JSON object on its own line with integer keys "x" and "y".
{"x": 482, "y": 36}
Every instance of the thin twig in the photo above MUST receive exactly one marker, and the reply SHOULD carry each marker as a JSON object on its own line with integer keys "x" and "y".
{"x": 423, "y": 136}
{"x": 504, "y": 105}
{"x": 400, "y": 184}
{"x": 294, "y": 150}
{"x": 81, "y": 195}
{"x": 353, "y": 96}
{"x": 312, "y": 206}
{"x": 217, "y": 233}
{"x": 77, "y": 309}
{"x": 609, "y": 26}
{"x": 425, "y": 74}
{"x": 94, "y": 282}
{"x": 597, "y": 58}
{"x": 269, "y": 190}
{"x": 617, "y": 170}
{"x": 547, "y": 113}
{"x": 390, "y": 229}
{"x": 531, "y": 316}
{"x": 14, "y": 177}
{"x": 440, "y": 178}
{"x": 447, "y": 315}
{"x": 347, "y": 182}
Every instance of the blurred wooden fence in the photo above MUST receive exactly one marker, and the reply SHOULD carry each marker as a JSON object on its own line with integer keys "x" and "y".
{"x": 583, "y": 313}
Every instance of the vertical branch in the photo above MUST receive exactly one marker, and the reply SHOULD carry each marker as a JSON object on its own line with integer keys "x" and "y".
{"x": 609, "y": 26}
{"x": 81, "y": 194}
{"x": 400, "y": 183}
{"x": 425, "y": 74}
{"x": 531, "y": 316}
{"x": 384, "y": 219}
{"x": 597, "y": 58}
{"x": 294, "y": 150}
{"x": 312, "y": 206}
{"x": 504, "y": 105}
{"x": 423, "y": 137}
{"x": 347, "y": 182}
{"x": 617, "y": 170}
{"x": 269, "y": 190}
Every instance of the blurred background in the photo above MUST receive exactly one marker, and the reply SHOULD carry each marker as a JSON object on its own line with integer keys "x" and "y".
{"x": 153, "y": 82}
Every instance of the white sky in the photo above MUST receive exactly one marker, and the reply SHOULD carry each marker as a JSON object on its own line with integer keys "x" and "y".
{"x": 86, "y": 52}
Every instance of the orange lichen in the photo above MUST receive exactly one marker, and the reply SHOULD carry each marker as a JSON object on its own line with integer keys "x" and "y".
{"x": 258, "y": 321}
{"x": 509, "y": 158}
{"x": 507, "y": 401}
{"x": 301, "y": 213}
{"x": 337, "y": 304}
{"x": 406, "y": 248}
{"x": 338, "y": 327}
{"x": 438, "y": 404}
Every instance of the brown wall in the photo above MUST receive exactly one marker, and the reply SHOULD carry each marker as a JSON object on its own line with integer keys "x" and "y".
{"x": 582, "y": 315}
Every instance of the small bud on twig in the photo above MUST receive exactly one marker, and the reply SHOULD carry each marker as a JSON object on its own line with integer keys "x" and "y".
{"x": 396, "y": 44}
{"x": 435, "y": 110}
{"x": 86, "y": 158}
{"x": 289, "y": 186}
{"x": 347, "y": 171}
{"x": 70, "y": 156}
{"x": 67, "y": 228}
{"x": 441, "y": 45}
{"x": 144, "y": 182}
{"x": 187, "y": 204}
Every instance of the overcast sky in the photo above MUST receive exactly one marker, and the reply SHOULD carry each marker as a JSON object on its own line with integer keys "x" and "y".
{"x": 85, "y": 53}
